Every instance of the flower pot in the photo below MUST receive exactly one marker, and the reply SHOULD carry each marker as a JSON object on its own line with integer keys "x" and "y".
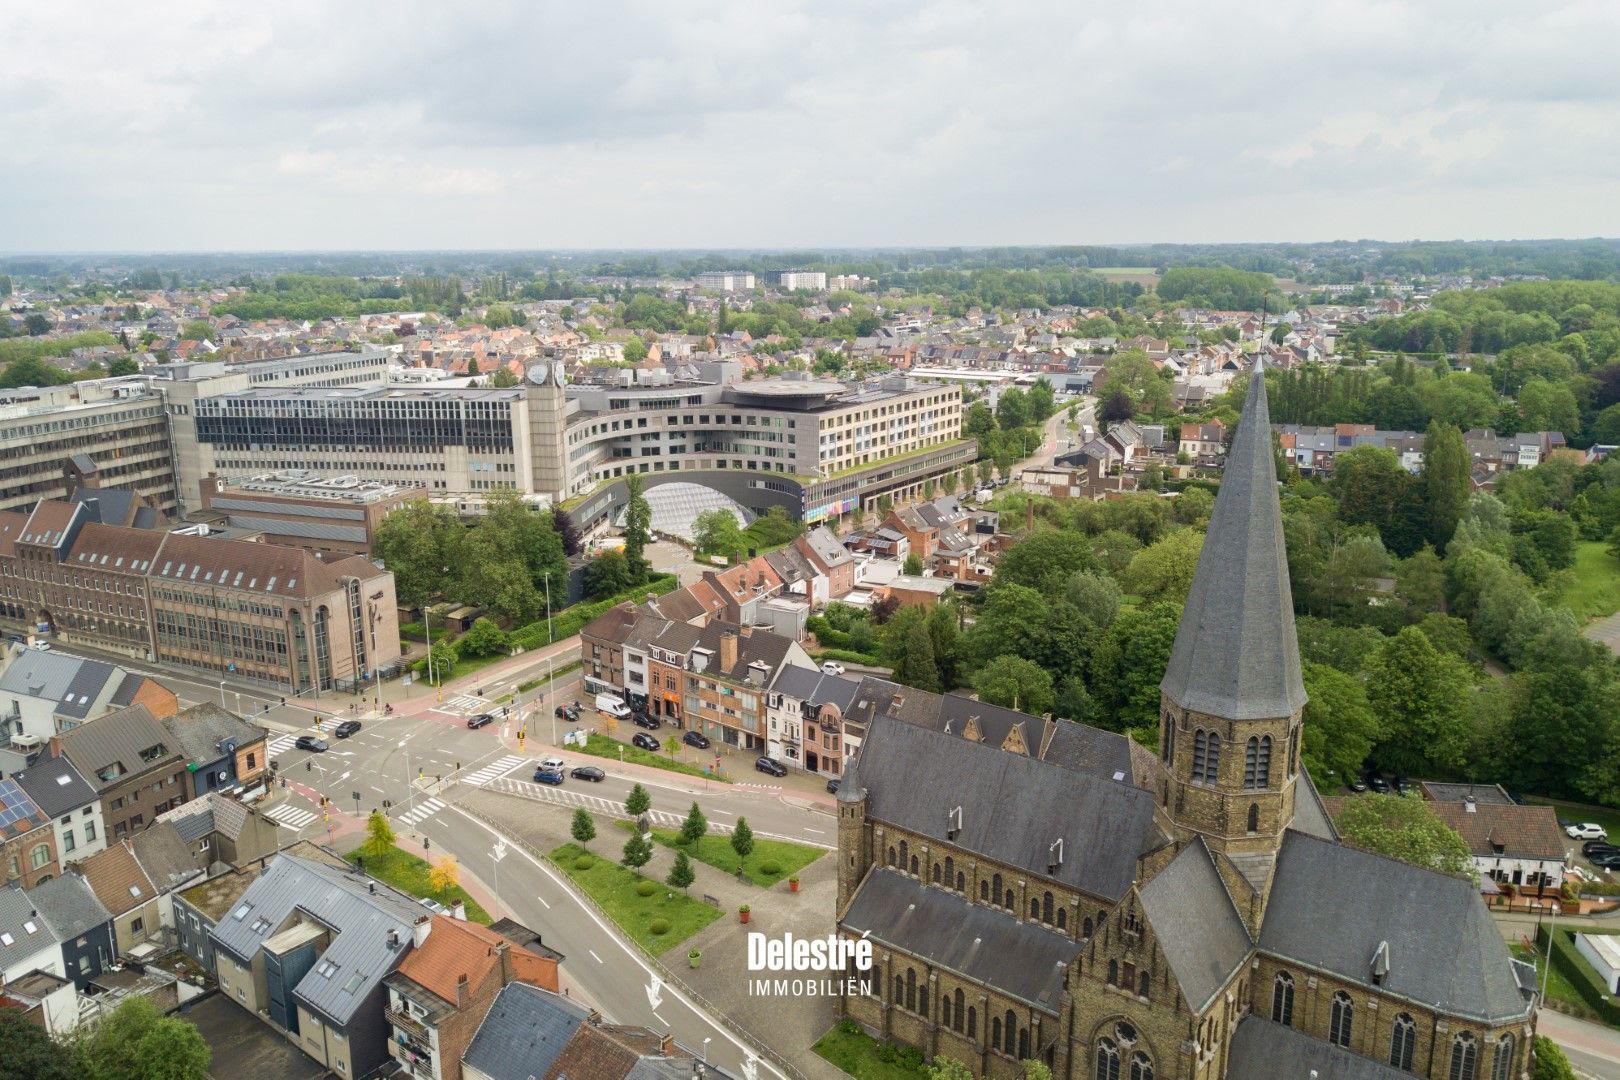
{"x": 742, "y": 916}
{"x": 694, "y": 958}
{"x": 793, "y": 884}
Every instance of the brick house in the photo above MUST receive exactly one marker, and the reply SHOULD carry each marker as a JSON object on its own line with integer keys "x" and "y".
{"x": 133, "y": 763}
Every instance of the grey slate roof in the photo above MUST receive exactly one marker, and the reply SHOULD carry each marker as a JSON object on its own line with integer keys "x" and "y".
{"x": 1444, "y": 950}
{"x": 1201, "y": 933}
{"x": 809, "y": 684}
{"x": 1236, "y": 654}
{"x": 119, "y": 737}
{"x": 202, "y": 731}
{"x": 523, "y": 1032}
{"x": 1021, "y": 959}
{"x": 69, "y": 905}
{"x": 72, "y": 682}
{"x": 360, "y": 921}
{"x": 1263, "y": 1050}
{"x": 212, "y": 813}
{"x": 165, "y": 856}
{"x": 16, "y": 915}
{"x": 914, "y": 777}
{"x": 1310, "y": 816}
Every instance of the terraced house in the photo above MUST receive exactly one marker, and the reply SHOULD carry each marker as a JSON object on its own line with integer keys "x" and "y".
{"x": 1038, "y": 889}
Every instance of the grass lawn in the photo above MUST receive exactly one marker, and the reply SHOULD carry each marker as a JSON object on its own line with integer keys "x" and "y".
{"x": 1558, "y": 987}
{"x": 601, "y": 746}
{"x": 409, "y": 874}
{"x": 1606, "y": 816}
{"x": 858, "y": 1054}
{"x": 716, "y": 850}
{"x": 614, "y": 888}
{"x": 1595, "y": 592}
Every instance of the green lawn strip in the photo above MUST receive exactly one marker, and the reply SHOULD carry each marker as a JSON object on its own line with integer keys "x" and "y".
{"x": 1558, "y": 987}
{"x": 716, "y": 850}
{"x": 603, "y": 747}
{"x": 409, "y": 874}
{"x": 613, "y": 887}
{"x": 1606, "y": 816}
{"x": 862, "y": 1057}
{"x": 1595, "y": 590}
{"x": 1581, "y": 990}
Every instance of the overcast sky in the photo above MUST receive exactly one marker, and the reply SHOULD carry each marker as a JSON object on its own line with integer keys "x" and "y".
{"x": 300, "y": 124}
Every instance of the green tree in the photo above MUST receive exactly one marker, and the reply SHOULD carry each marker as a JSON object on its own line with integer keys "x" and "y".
{"x": 1403, "y": 827}
{"x": 635, "y": 350}
{"x": 742, "y": 839}
{"x": 913, "y": 565}
{"x": 608, "y": 574}
{"x": 695, "y": 827}
{"x": 948, "y": 1068}
{"x": 443, "y": 657}
{"x": 1012, "y": 409}
{"x": 637, "y": 526}
{"x": 500, "y": 585}
{"x": 1340, "y": 726}
{"x": 912, "y": 653}
{"x": 28, "y": 1053}
{"x": 416, "y": 543}
{"x": 198, "y": 330}
{"x": 1035, "y": 1070}
{"x": 1016, "y": 683}
{"x": 1128, "y": 664}
{"x": 1131, "y": 374}
{"x": 942, "y": 632}
{"x": 1551, "y": 1061}
{"x": 638, "y": 802}
{"x": 1164, "y": 570}
{"x": 717, "y": 532}
{"x": 1420, "y": 696}
{"x": 483, "y": 638}
{"x": 502, "y": 378}
{"x": 379, "y": 835}
{"x": 472, "y": 366}
{"x": 123, "y": 365}
{"x": 680, "y": 875}
{"x": 1042, "y": 400}
{"x": 583, "y": 829}
{"x": 136, "y": 1042}
{"x": 1095, "y": 596}
{"x": 637, "y": 851}
{"x": 1446, "y": 483}
{"x": 1014, "y": 619}
{"x": 499, "y": 317}
{"x": 1045, "y": 560}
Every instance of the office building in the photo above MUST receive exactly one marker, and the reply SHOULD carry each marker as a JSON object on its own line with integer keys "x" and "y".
{"x": 726, "y": 280}
{"x": 796, "y": 279}
{"x": 329, "y": 515}
{"x": 114, "y": 428}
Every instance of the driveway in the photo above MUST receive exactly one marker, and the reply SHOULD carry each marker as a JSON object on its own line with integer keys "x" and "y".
{"x": 245, "y": 1046}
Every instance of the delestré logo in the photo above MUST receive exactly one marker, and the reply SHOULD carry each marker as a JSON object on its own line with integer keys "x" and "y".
{"x": 835, "y": 966}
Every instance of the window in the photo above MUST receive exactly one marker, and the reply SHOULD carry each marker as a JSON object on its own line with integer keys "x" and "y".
{"x": 1464, "y": 1056}
{"x": 1263, "y": 767}
{"x": 67, "y": 840}
{"x": 1342, "y": 1020}
{"x": 89, "y": 831}
{"x": 973, "y": 1022}
{"x": 1200, "y": 756}
{"x": 1046, "y": 907}
{"x": 1402, "y": 1041}
{"x": 40, "y": 855}
{"x": 1085, "y": 929}
{"x": 891, "y": 856}
{"x": 1282, "y": 1000}
{"x": 1113, "y": 973}
{"x": 1251, "y": 763}
{"x": 1141, "y": 1066}
{"x": 1107, "y": 1060}
{"x": 1213, "y": 770}
{"x": 1254, "y": 817}
{"x": 1502, "y": 1068}
{"x": 995, "y": 1033}
{"x": 137, "y": 926}
{"x": 1142, "y": 983}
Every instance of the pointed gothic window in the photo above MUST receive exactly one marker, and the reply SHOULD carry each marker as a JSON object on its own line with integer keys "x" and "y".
{"x": 1282, "y": 1000}
{"x": 1063, "y": 918}
{"x": 1402, "y": 1041}
{"x": 1107, "y": 1060}
{"x": 995, "y": 1033}
{"x": 956, "y": 1014}
{"x": 973, "y": 1022}
{"x": 1141, "y": 1066}
{"x": 936, "y": 873}
{"x": 1200, "y": 753}
{"x": 1046, "y": 908}
{"x": 1502, "y": 1069}
{"x": 1464, "y": 1056}
{"x": 1262, "y": 777}
{"x": 1113, "y": 973}
{"x": 1343, "y": 1018}
{"x": 1085, "y": 928}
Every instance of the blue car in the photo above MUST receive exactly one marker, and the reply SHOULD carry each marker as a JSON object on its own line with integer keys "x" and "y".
{"x": 548, "y": 776}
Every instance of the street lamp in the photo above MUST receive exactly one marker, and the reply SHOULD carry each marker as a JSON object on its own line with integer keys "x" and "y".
{"x": 222, "y": 693}
{"x": 497, "y": 854}
{"x": 410, "y": 788}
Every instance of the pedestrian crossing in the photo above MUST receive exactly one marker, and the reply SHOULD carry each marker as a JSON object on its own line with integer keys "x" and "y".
{"x": 421, "y": 812}
{"x": 291, "y": 817}
{"x": 281, "y": 744}
{"x": 499, "y": 767}
{"x": 564, "y": 796}
{"x": 467, "y": 703}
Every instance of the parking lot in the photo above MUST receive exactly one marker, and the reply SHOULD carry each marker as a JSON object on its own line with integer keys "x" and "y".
{"x": 245, "y": 1046}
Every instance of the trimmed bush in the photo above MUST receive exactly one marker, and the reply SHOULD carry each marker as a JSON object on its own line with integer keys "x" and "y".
{"x": 658, "y": 926}
{"x": 645, "y": 888}
{"x": 770, "y": 868}
{"x": 584, "y": 862}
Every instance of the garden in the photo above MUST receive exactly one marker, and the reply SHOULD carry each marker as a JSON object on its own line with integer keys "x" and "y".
{"x": 654, "y": 916}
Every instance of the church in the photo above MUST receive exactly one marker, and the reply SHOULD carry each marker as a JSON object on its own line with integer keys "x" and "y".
{"x": 1037, "y": 889}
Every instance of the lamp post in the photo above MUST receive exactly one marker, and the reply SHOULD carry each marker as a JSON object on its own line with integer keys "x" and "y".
{"x": 222, "y": 693}
{"x": 497, "y": 854}
{"x": 410, "y": 788}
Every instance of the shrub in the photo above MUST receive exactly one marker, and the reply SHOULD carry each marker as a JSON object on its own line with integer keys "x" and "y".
{"x": 770, "y": 869}
{"x": 888, "y": 1053}
{"x": 645, "y": 888}
{"x": 850, "y": 657}
{"x": 583, "y": 862}
{"x": 911, "y": 1058}
{"x": 658, "y": 926}
{"x": 848, "y": 1027}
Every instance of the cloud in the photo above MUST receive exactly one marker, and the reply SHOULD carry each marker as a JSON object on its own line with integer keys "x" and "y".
{"x": 630, "y": 123}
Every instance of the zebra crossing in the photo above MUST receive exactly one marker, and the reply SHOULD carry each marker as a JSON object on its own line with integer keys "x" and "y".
{"x": 421, "y": 812}
{"x": 499, "y": 767}
{"x": 563, "y": 796}
{"x": 467, "y": 703}
{"x": 281, "y": 744}
{"x": 292, "y": 817}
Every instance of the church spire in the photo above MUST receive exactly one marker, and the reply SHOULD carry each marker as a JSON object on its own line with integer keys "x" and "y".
{"x": 1236, "y": 655}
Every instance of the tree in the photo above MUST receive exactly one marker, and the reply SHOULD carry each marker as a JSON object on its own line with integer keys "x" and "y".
{"x": 1131, "y": 375}
{"x": 445, "y": 875}
{"x": 637, "y": 526}
{"x": 1420, "y": 696}
{"x": 563, "y": 526}
{"x": 123, "y": 365}
{"x": 443, "y": 657}
{"x": 1045, "y": 560}
{"x": 136, "y": 1042}
{"x": 379, "y": 835}
{"x": 948, "y": 1068}
{"x": 1012, "y": 409}
{"x": 197, "y": 330}
{"x": 635, "y": 350}
{"x": 717, "y": 532}
{"x": 31, "y": 1054}
{"x": 415, "y": 542}
{"x": 1042, "y": 400}
{"x": 1446, "y": 483}
{"x": 910, "y": 649}
{"x": 502, "y": 378}
{"x": 608, "y": 574}
{"x": 913, "y": 565}
{"x": 583, "y": 829}
{"x": 680, "y": 875}
{"x": 1128, "y": 664}
{"x": 1036, "y": 1070}
{"x": 500, "y": 584}
{"x": 1016, "y": 683}
{"x": 1164, "y": 570}
{"x": 943, "y": 634}
{"x": 1340, "y": 726}
{"x": 35, "y": 325}
{"x": 472, "y": 366}
{"x": 695, "y": 827}
{"x": 1403, "y": 827}
{"x": 1551, "y": 1061}
{"x": 637, "y": 851}
{"x": 483, "y": 638}
{"x": 638, "y": 802}
{"x": 742, "y": 839}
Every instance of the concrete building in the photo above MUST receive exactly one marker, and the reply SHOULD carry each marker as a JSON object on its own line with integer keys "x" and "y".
{"x": 796, "y": 279}
{"x": 331, "y": 515}
{"x": 726, "y": 280}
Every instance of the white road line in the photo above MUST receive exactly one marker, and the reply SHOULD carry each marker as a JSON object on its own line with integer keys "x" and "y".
{"x": 543, "y": 902}
{"x": 598, "y": 959}
{"x": 809, "y": 829}
{"x": 377, "y": 789}
{"x": 660, "y": 1019}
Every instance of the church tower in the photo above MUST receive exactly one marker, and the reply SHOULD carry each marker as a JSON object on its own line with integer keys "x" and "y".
{"x": 1230, "y": 702}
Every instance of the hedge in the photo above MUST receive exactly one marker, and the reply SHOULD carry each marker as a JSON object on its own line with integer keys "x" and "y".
{"x": 849, "y": 656}
{"x": 1579, "y": 974}
{"x": 569, "y": 621}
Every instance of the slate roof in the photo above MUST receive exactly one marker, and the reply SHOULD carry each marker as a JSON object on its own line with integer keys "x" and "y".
{"x": 165, "y": 856}
{"x": 1310, "y": 814}
{"x": 72, "y": 682}
{"x": 359, "y": 918}
{"x": 200, "y": 730}
{"x": 1444, "y": 950}
{"x": 1236, "y": 653}
{"x": 1263, "y": 1050}
{"x": 69, "y": 905}
{"x": 809, "y": 684}
{"x": 826, "y": 547}
{"x": 1480, "y": 793}
{"x": 119, "y": 737}
{"x": 212, "y": 813}
{"x": 914, "y": 777}
{"x": 1199, "y": 929}
{"x": 16, "y": 915}
{"x": 984, "y": 945}
{"x": 523, "y": 1033}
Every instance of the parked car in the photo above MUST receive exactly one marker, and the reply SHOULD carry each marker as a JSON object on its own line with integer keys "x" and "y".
{"x": 1597, "y": 847}
{"x": 1607, "y": 862}
{"x": 347, "y": 728}
{"x": 1586, "y": 830}
{"x": 310, "y": 742}
{"x": 831, "y": 667}
{"x": 832, "y": 786}
{"x": 1358, "y": 786}
{"x": 548, "y": 776}
{"x": 1514, "y": 795}
{"x": 771, "y": 766}
{"x": 1402, "y": 786}
{"x": 483, "y": 719}
{"x": 588, "y": 772}
{"x": 697, "y": 739}
{"x": 644, "y": 721}
{"x": 569, "y": 713}
{"x": 645, "y": 741}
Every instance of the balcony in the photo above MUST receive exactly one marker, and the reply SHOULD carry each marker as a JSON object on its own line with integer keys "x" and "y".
{"x": 408, "y": 1024}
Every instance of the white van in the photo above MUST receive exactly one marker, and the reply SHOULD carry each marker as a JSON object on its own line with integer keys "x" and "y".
{"x": 610, "y": 704}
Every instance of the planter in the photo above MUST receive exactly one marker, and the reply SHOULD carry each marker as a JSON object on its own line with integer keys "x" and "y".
{"x": 742, "y": 913}
{"x": 694, "y": 958}
{"x": 793, "y": 884}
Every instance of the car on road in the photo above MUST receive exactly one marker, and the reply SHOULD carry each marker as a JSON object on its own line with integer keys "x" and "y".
{"x": 831, "y": 667}
{"x": 311, "y": 743}
{"x": 347, "y": 728}
{"x": 483, "y": 719}
{"x": 556, "y": 764}
{"x": 548, "y": 776}
{"x": 569, "y": 713}
{"x": 1586, "y": 830}
{"x": 832, "y": 786}
{"x": 771, "y": 766}
{"x": 697, "y": 739}
{"x": 588, "y": 772}
{"x": 645, "y": 741}
{"x": 643, "y": 720}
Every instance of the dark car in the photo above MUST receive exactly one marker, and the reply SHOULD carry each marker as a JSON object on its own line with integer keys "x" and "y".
{"x": 548, "y": 776}
{"x": 771, "y": 766}
{"x": 1358, "y": 786}
{"x": 697, "y": 739}
{"x": 347, "y": 728}
{"x": 310, "y": 742}
{"x": 483, "y": 719}
{"x": 1609, "y": 861}
{"x": 569, "y": 713}
{"x": 588, "y": 772}
{"x": 645, "y": 741}
{"x": 1598, "y": 847}
{"x": 1378, "y": 784}
{"x": 1402, "y": 785}
{"x": 832, "y": 786}
{"x": 641, "y": 719}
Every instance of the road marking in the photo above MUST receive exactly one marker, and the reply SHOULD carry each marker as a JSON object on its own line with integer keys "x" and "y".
{"x": 543, "y": 902}
{"x": 806, "y": 828}
{"x": 421, "y": 812}
{"x": 290, "y": 816}
{"x": 660, "y": 1019}
{"x": 598, "y": 959}
{"x": 377, "y": 789}
{"x": 497, "y": 768}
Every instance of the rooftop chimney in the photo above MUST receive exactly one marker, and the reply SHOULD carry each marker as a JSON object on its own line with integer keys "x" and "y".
{"x": 728, "y": 652}
{"x": 666, "y": 1045}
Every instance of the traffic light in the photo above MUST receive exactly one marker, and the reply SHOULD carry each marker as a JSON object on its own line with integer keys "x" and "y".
{"x": 426, "y": 843}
